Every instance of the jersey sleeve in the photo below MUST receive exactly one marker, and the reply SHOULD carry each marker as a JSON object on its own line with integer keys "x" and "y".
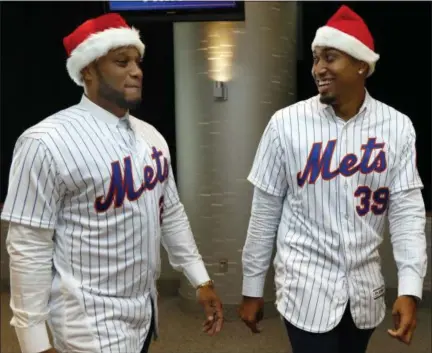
{"x": 177, "y": 236}
{"x": 171, "y": 196}
{"x": 268, "y": 169}
{"x": 34, "y": 189}
{"x": 405, "y": 175}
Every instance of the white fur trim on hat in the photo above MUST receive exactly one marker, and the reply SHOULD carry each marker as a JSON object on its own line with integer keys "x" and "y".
{"x": 98, "y": 45}
{"x": 331, "y": 37}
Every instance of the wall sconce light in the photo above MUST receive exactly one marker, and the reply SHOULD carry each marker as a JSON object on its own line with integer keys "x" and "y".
{"x": 220, "y": 91}
{"x": 219, "y": 42}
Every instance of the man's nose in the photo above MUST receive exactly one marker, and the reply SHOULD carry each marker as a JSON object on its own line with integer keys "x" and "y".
{"x": 319, "y": 70}
{"x": 136, "y": 71}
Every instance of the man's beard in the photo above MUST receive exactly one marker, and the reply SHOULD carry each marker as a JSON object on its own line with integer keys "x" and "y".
{"x": 327, "y": 99}
{"x": 106, "y": 91}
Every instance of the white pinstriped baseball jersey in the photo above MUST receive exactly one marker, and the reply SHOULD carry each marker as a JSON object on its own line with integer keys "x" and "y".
{"x": 102, "y": 185}
{"x": 336, "y": 178}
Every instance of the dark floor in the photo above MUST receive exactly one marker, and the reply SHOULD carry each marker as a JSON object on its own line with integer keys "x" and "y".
{"x": 180, "y": 333}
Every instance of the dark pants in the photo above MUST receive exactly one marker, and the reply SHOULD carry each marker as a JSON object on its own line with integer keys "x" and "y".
{"x": 344, "y": 338}
{"x": 150, "y": 333}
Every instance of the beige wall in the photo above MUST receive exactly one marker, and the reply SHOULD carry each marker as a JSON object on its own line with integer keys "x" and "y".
{"x": 217, "y": 141}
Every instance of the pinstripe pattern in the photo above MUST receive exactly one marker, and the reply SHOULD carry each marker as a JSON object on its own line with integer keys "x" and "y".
{"x": 106, "y": 262}
{"x": 333, "y": 217}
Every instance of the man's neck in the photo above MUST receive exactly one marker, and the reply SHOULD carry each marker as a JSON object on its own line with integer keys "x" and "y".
{"x": 350, "y": 106}
{"x": 108, "y": 106}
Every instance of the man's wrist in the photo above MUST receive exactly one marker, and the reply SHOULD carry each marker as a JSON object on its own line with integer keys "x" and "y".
{"x": 415, "y": 299}
{"x": 410, "y": 286}
{"x": 246, "y": 298}
{"x": 196, "y": 273}
{"x": 206, "y": 284}
{"x": 253, "y": 287}
{"x": 51, "y": 350}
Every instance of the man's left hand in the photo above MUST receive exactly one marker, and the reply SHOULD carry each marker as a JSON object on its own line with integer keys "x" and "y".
{"x": 404, "y": 318}
{"x": 208, "y": 298}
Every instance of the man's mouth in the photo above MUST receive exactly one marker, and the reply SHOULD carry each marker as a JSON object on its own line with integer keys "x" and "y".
{"x": 136, "y": 86}
{"x": 324, "y": 84}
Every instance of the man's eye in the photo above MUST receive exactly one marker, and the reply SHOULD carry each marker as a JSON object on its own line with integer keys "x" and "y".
{"x": 330, "y": 58}
{"x": 122, "y": 62}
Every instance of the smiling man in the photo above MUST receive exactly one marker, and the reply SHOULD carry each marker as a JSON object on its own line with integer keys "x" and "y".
{"x": 328, "y": 172}
{"x": 91, "y": 197}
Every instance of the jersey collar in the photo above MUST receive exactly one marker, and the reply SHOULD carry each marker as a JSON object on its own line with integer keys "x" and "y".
{"x": 102, "y": 114}
{"x": 366, "y": 103}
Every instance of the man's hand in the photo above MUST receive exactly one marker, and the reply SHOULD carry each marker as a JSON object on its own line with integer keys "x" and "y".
{"x": 251, "y": 312}
{"x": 208, "y": 298}
{"x": 404, "y": 318}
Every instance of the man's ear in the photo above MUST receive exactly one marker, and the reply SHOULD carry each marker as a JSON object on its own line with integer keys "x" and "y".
{"x": 363, "y": 68}
{"x": 87, "y": 74}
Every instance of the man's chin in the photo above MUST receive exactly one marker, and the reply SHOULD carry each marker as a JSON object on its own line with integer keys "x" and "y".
{"x": 327, "y": 98}
{"x": 130, "y": 103}
{"x": 133, "y": 104}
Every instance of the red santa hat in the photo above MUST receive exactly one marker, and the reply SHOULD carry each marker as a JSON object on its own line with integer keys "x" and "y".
{"x": 94, "y": 39}
{"x": 347, "y": 32}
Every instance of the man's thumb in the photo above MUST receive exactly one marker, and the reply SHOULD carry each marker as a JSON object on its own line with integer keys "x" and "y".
{"x": 394, "y": 333}
{"x": 208, "y": 310}
{"x": 403, "y": 327}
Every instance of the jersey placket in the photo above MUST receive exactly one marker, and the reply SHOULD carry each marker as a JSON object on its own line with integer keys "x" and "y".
{"x": 349, "y": 208}
{"x": 343, "y": 180}
{"x": 342, "y": 204}
{"x": 348, "y": 201}
{"x": 132, "y": 142}
{"x": 127, "y": 133}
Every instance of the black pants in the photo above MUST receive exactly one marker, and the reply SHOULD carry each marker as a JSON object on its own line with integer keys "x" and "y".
{"x": 344, "y": 338}
{"x": 150, "y": 333}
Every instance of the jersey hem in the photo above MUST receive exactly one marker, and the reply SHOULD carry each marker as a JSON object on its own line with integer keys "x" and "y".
{"x": 281, "y": 309}
{"x": 304, "y": 327}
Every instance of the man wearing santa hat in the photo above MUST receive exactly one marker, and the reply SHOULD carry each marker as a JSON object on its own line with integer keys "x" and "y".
{"x": 91, "y": 197}
{"x": 328, "y": 172}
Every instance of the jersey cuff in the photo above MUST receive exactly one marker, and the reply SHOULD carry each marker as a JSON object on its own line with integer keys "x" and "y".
{"x": 33, "y": 339}
{"x": 253, "y": 286}
{"x": 411, "y": 285}
{"x": 196, "y": 273}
